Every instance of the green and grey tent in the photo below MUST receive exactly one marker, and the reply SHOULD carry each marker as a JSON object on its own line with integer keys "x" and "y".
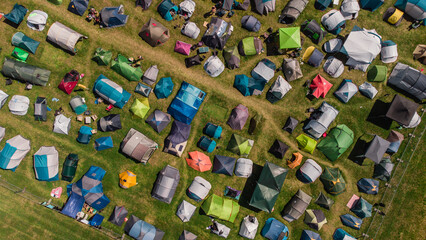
{"x": 121, "y": 65}
{"x": 324, "y": 201}
{"x": 22, "y": 41}
{"x": 337, "y": 142}
{"x": 383, "y": 170}
{"x": 333, "y": 181}
{"x": 232, "y": 57}
{"x": 70, "y": 167}
{"x": 250, "y": 46}
{"x": 102, "y": 56}
{"x": 289, "y": 38}
{"x": 240, "y": 145}
{"x": 362, "y": 208}
{"x": 315, "y": 219}
{"x": 24, "y": 72}
{"x": 221, "y": 208}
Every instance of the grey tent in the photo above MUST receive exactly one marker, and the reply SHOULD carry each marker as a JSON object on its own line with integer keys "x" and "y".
{"x": 150, "y": 75}
{"x": 185, "y": 211}
{"x": 315, "y": 219}
{"x": 24, "y": 72}
{"x": 264, "y": 70}
{"x": 362, "y": 208}
{"x": 166, "y": 184}
{"x": 243, "y": 168}
{"x": 110, "y": 123}
{"x": 138, "y": 146}
{"x": 402, "y": 110}
{"x": 22, "y": 41}
{"x": 64, "y": 37}
{"x": 176, "y": 142}
{"x": 368, "y": 90}
{"x": 324, "y": 201}
{"x": 346, "y": 91}
{"x": 264, "y": 7}
{"x": 297, "y": 205}
{"x": 313, "y": 30}
{"x": 310, "y": 171}
{"x": 2, "y": 133}
{"x": 349, "y": 9}
{"x": 238, "y": 117}
{"x": 118, "y": 215}
{"x": 278, "y": 90}
{"x": 199, "y": 189}
{"x": 143, "y": 3}
{"x": 37, "y": 20}
{"x": 333, "y": 45}
{"x": 62, "y": 124}
{"x": 292, "y": 11}
{"x": 291, "y": 69}
{"x": 290, "y": 124}
{"x": 249, "y": 227}
{"x": 186, "y": 8}
{"x": 217, "y": 33}
{"x": 223, "y": 165}
{"x": 383, "y": 170}
{"x": 40, "y": 109}
{"x": 141, "y": 230}
{"x": 190, "y": 30}
{"x": 250, "y": 23}
{"x": 154, "y": 33}
{"x": 333, "y": 21}
{"x": 3, "y": 98}
{"x": 19, "y": 105}
{"x": 278, "y": 149}
{"x": 409, "y": 80}
{"x": 220, "y": 229}
{"x": 376, "y": 149}
{"x": 320, "y": 120}
{"x": 334, "y": 67}
{"x": 232, "y": 57}
{"x": 315, "y": 58}
{"x": 158, "y": 120}
{"x": 112, "y": 17}
{"x": 187, "y": 235}
{"x": 214, "y": 66}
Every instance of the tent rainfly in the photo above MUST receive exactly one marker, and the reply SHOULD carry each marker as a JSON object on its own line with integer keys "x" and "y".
{"x": 154, "y": 33}
{"x": 64, "y": 37}
{"x": 310, "y": 235}
{"x": 402, "y": 110}
{"x": 185, "y": 211}
{"x": 199, "y": 189}
{"x": 313, "y": 30}
{"x": 351, "y": 221}
{"x": 24, "y": 72}
{"x": 13, "y": 152}
{"x": 138, "y": 146}
{"x": 110, "y": 123}
{"x": 221, "y": 208}
{"x": 62, "y": 124}
{"x": 341, "y": 234}
{"x": 16, "y": 15}
{"x": 164, "y": 88}
{"x": 320, "y": 86}
{"x": 103, "y": 143}
{"x": 368, "y": 90}
{"x": 362, "y": 208}
{"x": 368, "y": 186}
{"x": 118, "y": 215}
{"x": 186, "y": 103}
{"x": 166, "y": 184}
{"x": 78, "y": 6}
{"x": 297, "y": 205}
{"x": 249, "y": 227}
{"x": 238, "y": 117}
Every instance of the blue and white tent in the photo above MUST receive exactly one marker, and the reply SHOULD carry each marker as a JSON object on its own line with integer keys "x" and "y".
{"x": 273, "y": 229}
{"x": 333, "y": 21}
{"x": 111, "y": 91}
{"x": 13, "y": 152}
{"x": 351, "y": 221}
{"x": 414, "y": 8}
{"x": 46, "y": 164}
{"x": 103, "y": 143}
{"x": 142, "y": 230}
{"x": 74, "y": 205}
{"x": 186, "y": 103}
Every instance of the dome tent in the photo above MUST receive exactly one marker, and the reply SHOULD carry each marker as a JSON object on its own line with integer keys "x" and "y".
{"x": 190, "y": 30}
{"x": 199, "y": 189}
{"x": 46, "y": 164}
{"x": 349, "y": 9}
{"x": 346, "y": 90}
{"x": 223, "y": 165}
{"x": 324, "y": 201}
{"x": 249, "y": 227}
{"x": 138, "y": 146}
{"x": 118, "y": 215}
{"x": 110, "y": 123}
{"x": 333, "y": 21}
{"x": 351, "y": 221}
{"x": 264, "y": 7}
{"x": 185, "y": 211}
{"x": 368, "y": 186}
{"x": 62, "y": 124}
{"x": 240, "y": 145}
{"x": 158, "y": 120}
{"x": 150, "y": 75}
{"x": 127, "y": 179}
{"x": 78, "y": 6}
{"x": 291, "y": 69}
{"x": 232, "y": 57}
{"x": 310, "y": 171}
{"x": 13, "y": 152}
{"x": 290, "y": 124}
{"x": 292, "y": 11}
{"x": 78, "y": 104}
{"x": 250, "y": 23}
{"x": 69, "y": 82}
{"x": 368, "y": 90}
{"x": 238, "y": 117}
{"x": 102, "y": 56}
{"x": 362, "y": 208}
{"x": 122, "y": 66}
{"x": 40, "y": 109}
{"x": 334, "y": 67}
{"x": 112, "y": 17}
{"x": 21, "y": 40}
{"x": 278, "y": 90}
{"x": 154, "y": 33}
{"x": 383, "y": 170}
{"x": 199, "y": 161}
{"x": 143, "y": 89}
{"x": 187, "y": 235}
{"x": 243, "y": 168}
{"x": 278, "y": 149}
{"x": 341, "y": 234}
{"x": 84, "y": 135}
{"x": 164, "y": 88}
{"x": 139, "y": 229}
{"x": 274, "y": 230}
{"x": 315, "y": 219}
{"x": 297, "y": 205}
{"x": 70, "y": 167}
{"x": 214, "y": 66}
{"x": 176, "y": 141}
{"x": 103, "y": 143}
{"x": 333, "y": 181}
{"x": 248, "y": 86}
{"x": 140, "y": 107}
{"x": 336, "y": 142}
{"x": 19, "y": 105}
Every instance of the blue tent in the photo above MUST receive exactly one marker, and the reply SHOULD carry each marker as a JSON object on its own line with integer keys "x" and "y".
{"x": 368, "y": 185}
{"x": 207, "y": 144}
{"x": 351, "y": 221}
{"x": 139, "y": 229}
{"x": 414, "y": 8}
{"x": 362, "y": 208}
{"x": 78, "y": 6}
{"x": 113, "y": 17}
{"x": 20, "y": 40}
{"x": 111, "y": 91}
{"x": 96, "y": 220}
{"x": 371, "y": 5}
{"x": 17, "y": 14}
{"x": 248, "y": 86}
{"x": 322, "y": 4}
{"x": 310, "y": 235}
{"x": 186, "y": 103}
{"x": 103, "y": 143}
{"x": 73, "y": 206}
{"x": 164, "y": 88}
{"x": 341, "y": 234}
{"x": 166, "y": 8}
{"x": 273, "y": 228}
{"x": 212, "y": 130}
{"x": 84, "y": 135}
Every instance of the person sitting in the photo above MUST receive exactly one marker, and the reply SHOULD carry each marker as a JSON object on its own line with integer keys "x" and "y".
{"x": 138, "y": 61}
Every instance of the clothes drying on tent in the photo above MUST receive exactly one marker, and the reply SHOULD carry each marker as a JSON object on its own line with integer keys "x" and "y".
{"x": 140, "y": 107}
{"x": 351, "y": 221}
{"x": 368, "y": 90}
{"x": 214, "y": 66}
{"x": 264, "y": 7}
{"x": 346, "y": 90}
{"x": 176, "y": 141}
{"x": 409, "y": 80}
{"x": 138, "y": 146}
{"x": 249, "y": 226}
{"x": 313, "y": 56}
{"x": 64, "y": 37}
{"x": 315, "y": 219}
{"x": 206, "y": 144}
{"x": 112, "y": 17}
{"x": 62, "y": 124}
{"x": 13, "y": 152}
{"x": 158, "y": 120}
{"x": 103, "y": 143}
{"x": 154, "y": 33}
{"x": 324, "y": 201}
{"x": 349, "y": 9}
{"x": 18, "y": 105}
{"x": 190, "y": 30}
{"x": 199, "y": 189}
{"x": 368, "y": 185}
{"x": 402, "y": 110}
{"x": 84, "y": 135}
{"x": 70, "y": 167}
{"x": 361, "y": 208}
{"x": 185, "y": 211}
{"x": 291, "y": 69}
{"x": 69, "y": 81}
{"x": 46, "y": 164}
{"x": 164, "y": 88}
{"x": 297, "y": 205}
{"x": 333, "y": 21}
{"x": 306, "y": 143}
{"x": 223, "y": 165}
{"x": 183, "y": 48}
{"x": 333, "y": 181}
{"x": 122, "y": 66}
{"x": 144, "y": 3}
{"x": 290, "y": 124}
{"x": 383, "y": 170}
{"x": 341, "y": 234}
{"x": 78, "y": 6}
{"x": 78, "y": 105}
{"x": 320, "y": 120}
{"x": 334, "y": 67}
{"x": 278, "y": 90}
{"x": 102, "y": 56}
{"x": 310, "y": 171}
{"x": 3, "y": 98}
{"x": 275, "y": 230}
{"x": 150, "y": 75}
{"x": 110, "y": 123}
{"x": 37, "y": 20}
{"x": 217, "y": 33}
{"x": 168, "y": 10}
{"x": 376, "y": 149}
{"x": 371, "y": 5}
{"x": 186, "y": 9}
{"x": 221, "y": 208}
{"x": 395, "y": 138}
{"x": 212, "y": 130}
{"x": 278, "y": 149}
{"x": 24, "y": 72}
{"x": 248, "y": 86}
{"x": 16, "y": 15}
{"x": 250, "y": 23}
{"x": 187, "y": 235}
{"x": 310, "y": 235}
{"x": 166, "y": 184}
{"x": 127, "y": 179}
{"x": 243, "y": 167}
{"x": 337, "y": 142}
{"x": 313, "y": 30}
{"x": 292, "y": 11}
{"x": 111, "y": 91}
{"x": 40, "y": 109}
{"x": 320, "y": 86}
{"x": 199, "y": 161}
{"x": 139, "y": 229}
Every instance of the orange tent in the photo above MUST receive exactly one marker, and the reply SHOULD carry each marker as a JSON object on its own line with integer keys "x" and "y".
{"x": 295, "y": 161}
{"x": 320, "y": 86}
{"x": 127, "y": 179}
{"x": 199, "y": 161}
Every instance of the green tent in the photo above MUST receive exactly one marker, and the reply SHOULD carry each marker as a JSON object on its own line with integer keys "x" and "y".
{"x": 337, "y": 142}
{"x": 20, "y": 54}
{"x": 377, "y": 73}
{"x": 24, "y": 72}
{"x": 240, "y": 145}
{"x": 102, "y": 56}
{"x": 333, "y": 181}
{"x": 289, "y": 37}
{"x": 70, "y": 167}
{"x": 221, "y": 208}
{"x": 324, "y": 201}
{"x": 121, "y": 65}
{"x": 140, "y": 107}
{"x": 306, "y": 143}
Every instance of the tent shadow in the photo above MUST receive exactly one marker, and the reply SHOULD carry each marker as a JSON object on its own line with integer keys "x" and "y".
{"x": 249, "y": 188}
{"x": 358, "y": 151}
{"x": 300, "y": 177}
{"x": 377, "y": 115}
{"x": 10, "y": 23}
{"x": 60, "y": 48}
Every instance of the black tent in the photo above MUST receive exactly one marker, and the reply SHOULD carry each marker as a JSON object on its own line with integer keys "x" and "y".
{"x": 376, "y": 149}
{"x": 290, "y": 124}
{"x": 324, "y": 201}
{"x": 223, "y": 165}
{"x": 297, "y": 205}
{"x": 70, "y": 167}
{"x": 143, "y": 3}
{"x": 278, "y": 149}
{"x": 313, "y": 30}
{"x": 218, "y": 32}
{"x": 409, "y": 80}
{"x": 254, "y": 124}
{"x": 78, "y": 6}
{"x": 158, "y": 120}
{"x": 193, "y": 61}
{"x": 110, "y": 123}
{"x": 383, "y": 170}
{"x": 118, "y": 215}
{"x": 402, "y": 110}
{"x": 40, "y": 109}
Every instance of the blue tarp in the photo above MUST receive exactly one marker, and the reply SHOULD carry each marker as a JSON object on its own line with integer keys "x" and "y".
{"x": 96, "y": 220}
{"x": 73, "y": 206}
{"x": 186, "y": 103}
{"x": 273, "y": 228}
{"x": 164, "y": 88}
{"x": 103, "y": 143}
{"x": 17, "y": 14}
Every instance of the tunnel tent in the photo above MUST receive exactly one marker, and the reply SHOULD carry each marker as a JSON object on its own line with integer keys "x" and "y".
{"x": 292, "y": 11}
{"x": 150, "y": 75}
{"x": 24, "y": 72}
{"x": 389, "y": 52}
{"x": 221, "y": 208}
{"x": 306, "y": 143}
{"x": 111, "y": 91}
{"x": 333, "y": 45}
{"x": 250, "y": 23}
{"x": 310, "y": 171}
{"x": 416, "y": 9}
{"x": 138, "y": 146}
{"x": 313, "y": 30}
{"x": 64, "y": 37}
{"x": 46, "y": 164}
{"x": 320, "y": 120}
{"x": 166, "y": 184}
{"x": 21, "y": 40}
{"x": 199, "y": 189}
{"x": 409, "y": 80}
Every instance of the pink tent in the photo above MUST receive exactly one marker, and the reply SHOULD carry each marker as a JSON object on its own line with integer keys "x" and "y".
{"x": 320, "y": 86}
{"x": 183, "y": 48}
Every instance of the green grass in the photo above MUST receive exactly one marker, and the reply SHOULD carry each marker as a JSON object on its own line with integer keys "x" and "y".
{"x": 221, "y": 98}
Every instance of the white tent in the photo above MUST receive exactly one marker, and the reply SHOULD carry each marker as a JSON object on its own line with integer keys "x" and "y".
{"x": 62, "y": 124}
{"x": 2, "y": 133}
{"x": 18, "y": 105}
{"x": 249, "y": 227}
{"x": 389, "y": 52}
{"x": 46, "y": 164}
{"x": 346, "y": 91}
{"x": 213, "y": 66}
{"x": 243, "y": 168}
{"x": 190, "y": 30}
{"x": 185, "y": 211}
{"x": 220, "y": 229}
{"x": 3, "y": 98}
{"x": 310, "y": 170}
{"x": 13, "y": 152}
{"x": 63, "y": 36}
{"x": 368, "y": 90}
{"x": 187, "y": 7}
{"x": 199, "y": 188}
{"x": 334, "y": 67}
{"x": 350, "y": 9}
{"x": 37, "y": 20}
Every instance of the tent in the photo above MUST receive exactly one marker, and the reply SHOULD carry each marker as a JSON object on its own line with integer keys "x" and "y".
{"x": 78, "y": 6}
{"x": 240, "y": 145}
{"x": 254, "y": 124}
{"x": 264, "y": 7}
{"x": 21, "y": 40}
{"x": 167, "y": 10}
{"x": 402, "y": 110}
{"x": 264, "y": 70}
{"x": 221, "y": 208}
{"x": 110, "y": 123}
{"x": 16, "y": 15}
{"x": 248, "y": 86}
{"x": 368, "y": 90}
{"x": 69, "y": 81}
{"x": 362, "y": 208}
{"x": 250, "y": 46}
{"x": 250, "y": 23}
{"x": 194, "y": 61}
{"x": 268, "y": 187}
{"x": 291, "y": 69}
{"x": 118, "y": 215}
{"x": 206, "y": 144}
{"x": 214, "y": 66}
{"x": 96, "y": 220}
{"x": 62, "y": 124}
{"x": 243, "y": 167}
{"x": 84, "y": 135}
{"x": 371, "y": 5}
{"x": 199, "y": 189}
{"x": 322, "y": 4}
{"x": 290, "y": 124}
{"x": 127, "y": 179}
{"x": 186, "y": 103}
{"x": 70, "y": 167}
{"x": 73, "y": 205}
{"x": 138, "y": 146}
{"x": 176, "y": 142}
{"x": 278, "y": 149}
{"x": 389, "y": 52}
{"x": 164, "y": 88}
{"x": 154, "y": 33}
{"x": 187, "y": 235}
{"x": 306, "y": 143}
{"x": 295, "y": 160}
{"x": 219, "y": 229}
{"x": 143, "y": 89}
{"x": 292, "y": 11}
{"x": 383, "y": 170}
{"x": 112, "y": 17}
{"x": 368, "y": 185}
{"x": 346, "y": 90}
{"x": 166, "y": 184}
{"x": 238, "y": 117}
{"x": 278, "y": 90}
{"x": 56, "y": 2}
{"x": 13, "y": 152}
{"x": 419, "y": 53}
{"x": 139, "y": 229}
{"x": 103, "y": 143}
{"x": 121, "y": 65}
{"x": 20, "y": 54}
{"x": 351, "y": 221}
{"x": 111, "y": 91}
{"x": 158, "y": 120}
{"x": 313, "y": 56}
{"x": 186, "y": 9}
{"x": 334, "y": 67}
{"x": 310, "y": 235}
{"x": 2, "y": 133}
{"x": 185, "y": 211}
{"x": 324, "y": 201}
{"x": 310, "y": 171}
{"x": 297, "y": 205}
{"x": 341, "y": 234}
{"x": 333, "y": 45}
{"x": 275, "y": 230}
{"x": 320, "y": 120}
{"x": 3, "y": 98}
{"x": 416, "y": 9}
{"x": 320, "y": 86}
{"x": 223, "y": 165}
{"x": 40, "y": 109}
{"x": 249, "y": 227}
{"x": 349, "y": 9}
{"x": 333, "y": 181}
{"x": 190, "y": 30}
{"x": 313, "y": 30}
{"x": 377, "y": 73}
{"x": 46, "y": 164}
{"x": 183, "y": 48}
{"x": 289, "y": 37}
{"x": 376, "y": 149}
{"x": 64, "y": 37}
{"x": 408, "y": 79}
{"x": 395, "y": 138}
{"x": 150, "y": 75}
{"x": 337, "y": 141}
{"x": 102, "y": 56}
{"x": 144, "y": 4}
{"x": 212, "y": 130}
{"x": 78, "y": 104}
{"x": 24, "y": 72}
{"x": 333, "y": 21}
{"x": 140, "y": 107}
{"x": 199, "y": 161}
{"x": 217, "y": 33}
{"x": 315, "y": 219}
{"x": 19, "y": 105}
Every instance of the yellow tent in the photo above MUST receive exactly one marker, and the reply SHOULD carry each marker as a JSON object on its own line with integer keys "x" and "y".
{"x": 127, "y": 179}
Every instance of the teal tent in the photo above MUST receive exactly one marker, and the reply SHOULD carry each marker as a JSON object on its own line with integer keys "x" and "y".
{"x": 103, "y": 143}
{"x": 164, "y": 88}
{"x": 17, "y": 14}
{"x": 22, "y": 41}
{"x": 207, "y": 144}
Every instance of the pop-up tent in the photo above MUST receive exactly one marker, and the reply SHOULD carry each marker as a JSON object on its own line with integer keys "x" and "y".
{"x": 368, "y": 186}
{"x": 64, "y": 37}
{"x": 121, "y": 65}
{"x": 168, "y": 10}
{"x": 110, "y": 123}
{"x": 102, "y": 56}
{"x": 78, "y": 6}
{"x": 143, "y": 89}
{"x": 185, "y": 211}
{"x": 199, "y": 189}
{"x": 264, "y": 7}
{"x": 84, "y": 135}
{"x": 158, "y": 120}
{"x": 164, "y": 88}
{"x": 289, "y": 37}
{"x": 349, "y": 9}
{"x": 306, "y": 143}
{"x": 212, "y": 130}
{"x": 297, "y": 205}
{"x": 112, "y": 17}
{"x": 62, "y": 124}
{"x": 214, "y": 66}
{"x": 368, "y": 90}
{"x": 278, "y": 89}
{"x": 362, "y": 208}
{"x": 292, "y": 11}
{"x": 118, "y": 216}
{"x": 376, "y": 149}
{"x": 337, "y": 141}
{"x": 206, "y": 144}
{"x": 346, "y": 90}
{"x": 70, "y": 167}
{"x": 250, "y": 23}
{"x": 315, "y": 219}
{"x": 24, "y": 72}
{"x": 111, "y": 91}
{"x": 13, "y": 152}
{"x": 275, "y": 230}
{"x": 250, "y": 46}
{"x": 78, "y": 105}
{"x": 19, "y": 105}
{"x": 154, "y": 33}
{"x": 176, "y": 142}
{"x": 402, "y": 110}
{"x": 217, "y": 33}
{"x": 166, "y": 184}
{"x": 139, "y": 229}
{"x": 240, "y": 145}
{"x": 320, "y": 86}
{"x": 140, "y": 107}
{"x": 183, "y": 48}
{"x": 22, "y": 41}
{"x": 333, "y": 181}
{"x": 333, "y": 21}
{"x": 290, "y": 124}
{"x": 138, "y": 146}
{"x": 334, "y": 67}
{"x": 103, "y": 143}
{"x": 127, "y": 179}
{"x": 278, "y": 149}
{"x": 186, "y": 103}
{"x": 16, "y": 15}
{"x": 416, "y": 9}
{"x": 408, "y": 79}
{"x": 238, "y": 117}
{"x": 383, "y": 170}
{"x": 190, "y": 30}
{"x": 320, "y": 120}
{"x": 223, "y": 165}
{"x": 46, "y": 164}
{"x": 222, "y": 208}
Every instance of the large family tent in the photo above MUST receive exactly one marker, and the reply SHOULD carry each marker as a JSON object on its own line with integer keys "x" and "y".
{"x": 264, "y": 70}
{"x": 238, "y": 117}
{"x": 13, "y": 152}
{"x": 138, "y": 146}
{"x": 337, "y": 141}
{"x": 232, "y": 57}
{"x": 333, "y": 67}
{"x": 70, "y": 167}
{"x": 278, "y": 149}
{"x": 333, "y": 181}
{"x": 199, "y": 161}
{"x": 250, "y": 23}
{"x": 371, "y": 5}
{"x": 23, "y": 41}
{"x": 306, "y": 143}
{"x": 320, "y": 120}
{"x": 3, "y": 98}
{"x": 46, "y": 164}
{"x": 103, "y": 143}
{"x": 250, "y": 46}
{"x": 154, "y": 33}
{"x": 140, "y": 107}
{"x": 166, "y": 184}
{"x": 158, "y": 120}
{"x": 351, "y": 221}
{"x": 168, "y": 10}
{"x": 221, "y": 208}
{"x": 102, "y": 56}
{"x": 297, "y": 205}
{"x": 292, "y": 11}
{"x": 64, "y": 37}
{"x": 320, "y": 86}
{"x": 214, "y": 66}
{"x": 190, "y": 30}
{"x": 368, "y": 90}
{"x": 310, "y": 235}
{"x": 278, "y": 90}
{"x": 185, "y": 105}
{"x": 62, "y": 124}
{"x": 223, "y": 165}
{"x": 408, "y": 79}
{"x": 73, "y": 206}
{"x": 346, "y": 90}
{"x": 118, "y": 215}
{"x": 17, "y": 14}
{"x": 310, "y": 171}
{"x": 291, "y": 69}
{"x": 111, "y": 91}
{"x": 249, "y": 227}
{"x": 243, "y": 167}
{"x": 290, "y": 124}
{"x": 248, "y": 86}
{"x": 315, "y": 219}
{"x": 110, "y": 123}
{"x": 69, "y": 82}
{"x": 416, "y": 9}
{"x": 383, "y": 170}
{"x": 84, "y": 135}
{"x": 324, "y": 201}
{"x": 419, "y": 53}
{"x": 264, "y": 7}
{"x": 121, "y": 65}
{"x": 177, "y": 139}
{"x": 150, "y": 75}
{"x": 368, "y": 186}
{"x": 40, "y": 109}
{"x": 113, "y": 17}
{"x": 362, "y": 208}
{"x": 376, "y": 149}
{"x": 217, "y": 33}
{"x": 333, "y": 21}
{"x": 90, "y": 187}
{"x": 349, "y": 9}
{"x": 78, "y": 105}
{"x": 402, "y": 110}
{"x": 275, "y": 230}
{"x": 199, "y": 189}
{"x": 341, "y": 234}
{"x": 24, "y": 72}
{"x": 127, "y": 179}
{"x": 164, "y": 88}
{"x": 313, "y": 56}
{"x": 19, "y": 105}
{"x": 268, "y": 187}
{"x": 240, "y": 145}
{"x": 187, "y": 235}
{"x": 185, "y": 211}
{"x": 78, "y": 6}
{"x": 141, "y": 230}
{"x": 313, "y": 30}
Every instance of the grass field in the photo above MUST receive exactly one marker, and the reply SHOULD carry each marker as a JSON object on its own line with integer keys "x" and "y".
{"x": 221, "y": 98}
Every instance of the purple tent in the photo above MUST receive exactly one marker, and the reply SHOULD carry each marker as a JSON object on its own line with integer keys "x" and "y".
{"x": 183, "y": 48}
{"x": 238, "y": 117}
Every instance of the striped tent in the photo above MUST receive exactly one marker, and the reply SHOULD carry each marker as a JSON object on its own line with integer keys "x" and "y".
{"x": 46, "y": 164}
{"x": 111, "y": 91}
{"x": 13, "y": 152}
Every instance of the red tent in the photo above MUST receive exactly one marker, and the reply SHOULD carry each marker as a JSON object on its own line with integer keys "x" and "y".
{"x": 69, "y": 82}
{"x": 320, "y": 86}
{"x": 199, "y": 161}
